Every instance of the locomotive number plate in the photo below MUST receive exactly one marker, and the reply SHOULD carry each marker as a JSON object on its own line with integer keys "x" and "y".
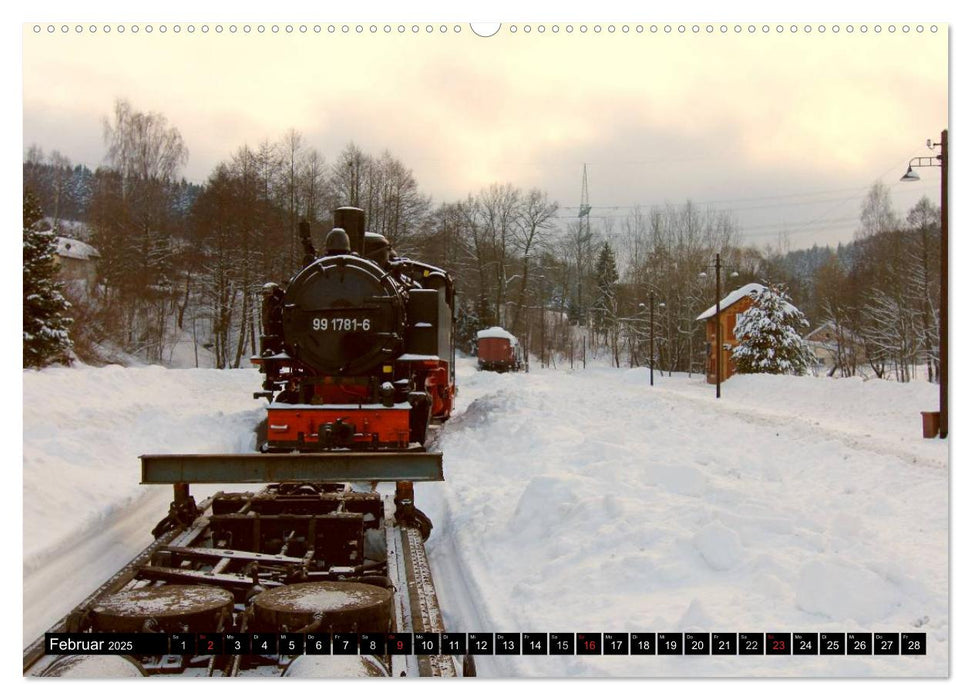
{"x": 341, "y": 325}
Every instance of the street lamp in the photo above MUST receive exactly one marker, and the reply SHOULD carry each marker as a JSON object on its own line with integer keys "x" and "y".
{"x": 542, "y": 317}
{"x": 940, "y": 160}
{"x": 718, "y": 323}
{"x": 651, "y": 359}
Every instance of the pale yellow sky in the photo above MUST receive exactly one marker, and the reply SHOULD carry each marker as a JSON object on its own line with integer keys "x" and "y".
{"x": 809, "y": 120}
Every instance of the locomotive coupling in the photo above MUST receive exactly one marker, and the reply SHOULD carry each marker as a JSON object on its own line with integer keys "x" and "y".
{"x": 336, "y": 434}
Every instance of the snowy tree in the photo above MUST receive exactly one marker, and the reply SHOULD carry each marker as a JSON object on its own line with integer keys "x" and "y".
{"x": 769, "y": 342}
{"x": 46, "y": 339}
{"x": 535, "y": 222}
{"x": 133, "y": 221}
{"x": 605, "y": 305}
{"x": 891, "y": 333}
{"x": 924, "y": 219}
{"x": 142, "y": 146}
{"x": 385, "y": 189}
{"x": 467, "y": 324}
{"x": 664, "y": 249}
{"x": 876, "y": 211}
{"x": 578, "y": 245}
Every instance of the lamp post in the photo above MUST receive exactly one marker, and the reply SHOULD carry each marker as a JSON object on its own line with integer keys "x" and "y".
{"x": 542, "y": 321}
{"x": 652, "y": 338}
{"x": 940, "y": 160}
{"x": 651, "y": 359}
{"x": 718, "y": 327}
{"x": 718, "y": 323}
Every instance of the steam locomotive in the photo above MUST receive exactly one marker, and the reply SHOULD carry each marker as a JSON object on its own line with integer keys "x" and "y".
{"x": 357, "y": 349}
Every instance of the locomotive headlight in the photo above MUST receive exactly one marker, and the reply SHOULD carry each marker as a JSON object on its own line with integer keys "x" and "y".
{"x": 386, "y": 391}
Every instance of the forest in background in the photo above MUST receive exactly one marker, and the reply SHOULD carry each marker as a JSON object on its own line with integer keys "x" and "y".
{"x": 183, "y": 260}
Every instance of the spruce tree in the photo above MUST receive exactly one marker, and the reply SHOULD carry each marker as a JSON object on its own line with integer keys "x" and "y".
{"x": 769, "y": 339}
{"x": 46, "y": 338}
{"x": 467, "y": 324}
{"x": 605, "y": 306}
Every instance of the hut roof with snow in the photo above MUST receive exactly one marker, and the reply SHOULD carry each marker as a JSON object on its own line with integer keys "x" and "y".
{"x": 752, "y": 290}
{"x": 497, "y": 332}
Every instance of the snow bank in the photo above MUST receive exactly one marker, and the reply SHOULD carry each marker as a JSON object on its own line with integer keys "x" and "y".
{"x": 84, "y": 429}
{"x": 845, "y": 591}
{"x": 587, "y": 500}
{"x": 883, "y": 414}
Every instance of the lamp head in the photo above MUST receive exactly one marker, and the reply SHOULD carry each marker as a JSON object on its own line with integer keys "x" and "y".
{"x": 910, "y": 176}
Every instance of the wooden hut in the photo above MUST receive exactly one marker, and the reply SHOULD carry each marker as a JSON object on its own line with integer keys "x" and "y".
{"x": 732, "y": 305}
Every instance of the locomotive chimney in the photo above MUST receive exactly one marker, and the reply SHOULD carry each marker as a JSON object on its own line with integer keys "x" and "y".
{"x": 309, "y": 254}
{"x": 351, "y": 219}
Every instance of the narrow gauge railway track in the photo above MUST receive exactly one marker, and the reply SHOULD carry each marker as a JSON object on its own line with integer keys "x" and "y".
{"x": 296, "y": 556}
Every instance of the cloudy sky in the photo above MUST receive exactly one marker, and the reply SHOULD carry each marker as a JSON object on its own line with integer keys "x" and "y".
{"x": 787, "y": 130}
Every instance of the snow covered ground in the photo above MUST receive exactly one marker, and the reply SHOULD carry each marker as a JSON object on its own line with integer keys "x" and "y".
{"x": 588, "y": 501}
{"x": 574, "y": 501}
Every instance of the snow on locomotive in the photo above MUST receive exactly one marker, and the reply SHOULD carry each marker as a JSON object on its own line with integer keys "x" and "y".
{"x": 357, "y": 348}
{"x": 499, "y": 351}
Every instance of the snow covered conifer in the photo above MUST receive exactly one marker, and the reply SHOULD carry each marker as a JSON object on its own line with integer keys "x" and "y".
{"x": 467, "y": 323}
{"x": 605, "y": 306}
{"x": 769, "y": 339}
{"x": 46, "y": 339}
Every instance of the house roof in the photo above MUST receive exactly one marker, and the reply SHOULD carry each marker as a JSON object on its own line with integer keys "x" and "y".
{"x": 751, "y": 290}
{"x": 847, "y": 334}
{"x": 78, "y": 250}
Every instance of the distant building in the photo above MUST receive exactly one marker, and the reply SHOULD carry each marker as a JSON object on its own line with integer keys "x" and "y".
{"x": 834, "y": 350}
{"x": 77, "y": 261}
{"x": 737, "y": 302}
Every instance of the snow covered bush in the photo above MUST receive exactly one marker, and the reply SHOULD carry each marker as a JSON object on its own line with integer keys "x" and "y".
{"x": 769, "y": 342}
{"x": 45, "y": 309}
